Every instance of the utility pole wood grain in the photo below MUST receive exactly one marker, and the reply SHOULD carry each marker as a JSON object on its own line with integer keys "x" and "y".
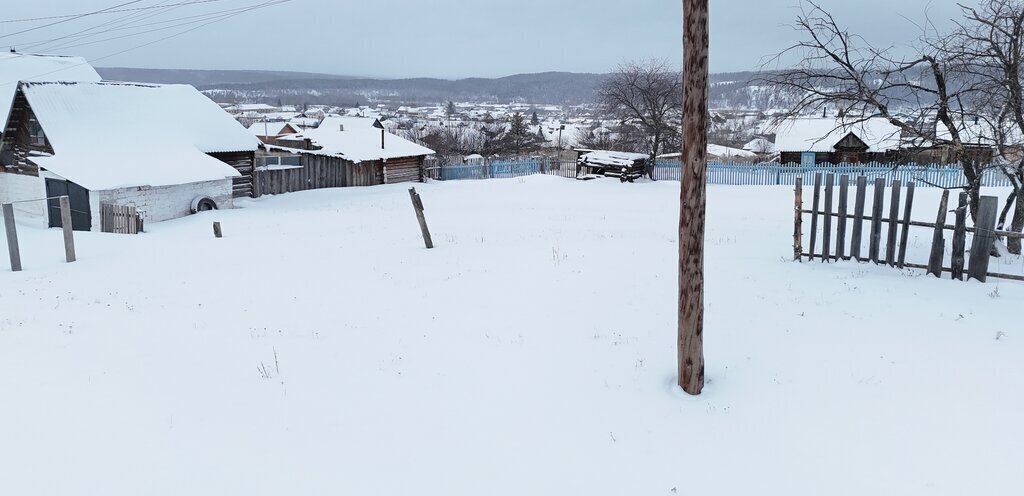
{"x": 692, "y": 196}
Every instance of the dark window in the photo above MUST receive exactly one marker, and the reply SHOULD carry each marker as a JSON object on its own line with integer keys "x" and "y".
{"x": 35, "y": 133}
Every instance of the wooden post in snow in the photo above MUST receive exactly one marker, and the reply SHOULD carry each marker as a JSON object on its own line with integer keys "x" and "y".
{"x": 417, "y": 204}
{"x": 693, "y": 196}
{"x": 217, "y": 233}
{"x": 68, "y": 227}
{"x": 12, "y": 237}
{"x": 798, "y": 220}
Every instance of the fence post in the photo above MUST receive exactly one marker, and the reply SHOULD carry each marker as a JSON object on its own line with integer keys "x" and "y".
{"x": 960, "y": 238}
{"x": 798, "y": 218}
{"x": 12, "y": 237}
{"x": 417, "y": 204}
{"x": 68, "y": 228}
{"x": 938, "y": 238}
{"x": 984, "y": 238}
{"x": 814, "y": 214}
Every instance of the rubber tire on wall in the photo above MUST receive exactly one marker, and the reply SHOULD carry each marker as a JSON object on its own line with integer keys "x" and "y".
{"x": 203, "y": 204}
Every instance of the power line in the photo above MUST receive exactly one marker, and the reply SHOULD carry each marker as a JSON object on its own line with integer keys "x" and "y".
{"x": 268, "y": 3}
{"x": 68, "y": 19}
{"x": 123, "y": 21}
{"x": 104, "y": 11}
{"x": 73, "y": 39}
{"x": 74, "y": 44}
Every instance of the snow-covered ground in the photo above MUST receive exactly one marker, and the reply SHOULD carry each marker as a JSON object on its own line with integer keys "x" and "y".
{"x": 319, "y": 349}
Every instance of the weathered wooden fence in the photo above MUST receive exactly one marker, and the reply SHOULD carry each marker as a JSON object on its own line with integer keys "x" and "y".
{"x": 837, "y": 222}
{"x": 312, "y": 172}
{"x": 120, "y": 219}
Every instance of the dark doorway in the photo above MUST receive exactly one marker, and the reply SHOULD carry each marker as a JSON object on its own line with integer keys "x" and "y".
{"x": 81, "y": 215}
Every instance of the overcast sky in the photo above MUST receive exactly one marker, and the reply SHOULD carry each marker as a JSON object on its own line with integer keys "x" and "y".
{"x": 437, "y": 38}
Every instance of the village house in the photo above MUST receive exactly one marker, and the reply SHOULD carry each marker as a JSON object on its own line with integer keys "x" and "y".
{"x": 269, "y": 132}
{"x": 837, "y": 140}
{"x": 361, "y": 148}
{"x": 184, "y": 153}
{"x": 16, "y": 67}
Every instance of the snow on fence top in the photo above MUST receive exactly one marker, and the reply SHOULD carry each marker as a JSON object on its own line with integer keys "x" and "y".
{"x": 17, "y": 67}
{"x": 820, "y": 134}
{"x": 358, "y": 140}
{"x": 110, "y": 135}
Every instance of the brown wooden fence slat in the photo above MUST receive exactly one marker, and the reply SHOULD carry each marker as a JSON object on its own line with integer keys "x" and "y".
{"x": 844, "y": 186}
{"x": 894, "y": 215}
{"x": 826, "y": 239}
{"x": 814, "y": 213}
{"x": 798, "y": 219}
{"x": 901, "y": 259}
{"x": 858, "y": 219}
{"x": 938, "y": 251}
{"x": 876, "y": 220}
{"x": 960, "y": 238}
{"x": 984, "y": 238}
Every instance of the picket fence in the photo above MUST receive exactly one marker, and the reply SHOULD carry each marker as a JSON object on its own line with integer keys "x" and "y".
{"x": 739, "y": 174}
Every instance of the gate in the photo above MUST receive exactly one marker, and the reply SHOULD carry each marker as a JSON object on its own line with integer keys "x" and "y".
{"x": 81, "y": 214}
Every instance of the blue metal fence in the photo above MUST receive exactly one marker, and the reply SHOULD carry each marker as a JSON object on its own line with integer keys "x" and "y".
{"x": 741, "y": 174}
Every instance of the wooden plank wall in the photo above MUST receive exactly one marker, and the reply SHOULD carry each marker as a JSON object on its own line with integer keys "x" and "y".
{"x": 318, "y": 172}
{"x": 245, "y": 163}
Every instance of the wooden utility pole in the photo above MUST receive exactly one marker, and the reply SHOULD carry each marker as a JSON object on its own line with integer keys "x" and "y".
{"x": 692, "y": 196}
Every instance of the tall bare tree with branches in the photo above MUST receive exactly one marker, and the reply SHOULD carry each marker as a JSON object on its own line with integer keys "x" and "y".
{"x": 991, "y": 37}
{"x": 647, "y": 94}
{"x": 923, "y": 95}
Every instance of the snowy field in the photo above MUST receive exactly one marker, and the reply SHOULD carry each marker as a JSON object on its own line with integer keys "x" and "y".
{"x": 319, "y": 349}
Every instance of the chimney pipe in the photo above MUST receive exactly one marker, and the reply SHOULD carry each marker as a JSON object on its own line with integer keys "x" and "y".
{"x": 381, "y": 139}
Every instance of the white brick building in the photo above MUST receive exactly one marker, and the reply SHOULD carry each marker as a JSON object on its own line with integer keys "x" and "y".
{"x": 90, "y": 141}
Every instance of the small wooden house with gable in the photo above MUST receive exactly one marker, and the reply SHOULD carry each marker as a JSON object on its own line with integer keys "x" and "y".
{"x": 91, "y": 142}
{"x": 352, "y": 151}
{"x": 836, "y": 140}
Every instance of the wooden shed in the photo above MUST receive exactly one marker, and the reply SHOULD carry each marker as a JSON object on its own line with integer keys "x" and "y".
{"x": 341, "y": 152}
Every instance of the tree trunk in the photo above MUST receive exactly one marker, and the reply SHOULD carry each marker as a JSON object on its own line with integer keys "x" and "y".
{"x": 692, "y": 196}
{"x": 973, "y": 188}
{"x": 654, "y": 155}
{"x": 1014, "y": 244}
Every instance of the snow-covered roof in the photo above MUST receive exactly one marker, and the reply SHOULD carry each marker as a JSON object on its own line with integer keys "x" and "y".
{"x": 605, "y": 157}
{"x": 271, "y": 128}
{"x": 17, "y": 67}
{"x": 821, "y": 134}
{"x": 360, "y": 141}
{"x": 728, "y": 152}
{"x": 760, "y": 145}
{"x": 110, "y": 135}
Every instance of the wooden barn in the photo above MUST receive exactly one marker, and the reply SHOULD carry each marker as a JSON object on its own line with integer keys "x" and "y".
{"x": 163, "y": 150}
{"x": 341, "y": 152}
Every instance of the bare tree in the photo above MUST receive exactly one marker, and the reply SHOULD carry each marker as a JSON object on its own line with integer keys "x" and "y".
{"x": 992, "y": 39}
{"x": 922, "y": 95}
{"x": 647, "y": 94}
{"x": 694, "y": 92}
